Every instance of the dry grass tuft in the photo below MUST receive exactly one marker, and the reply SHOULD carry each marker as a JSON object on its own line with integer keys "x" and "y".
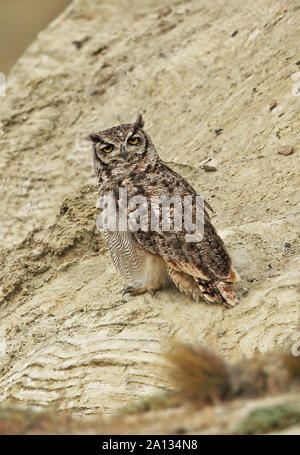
{"x": 248, "y": 378}
{"x": 292, "y": 365}
{"x": 198, "y": 374}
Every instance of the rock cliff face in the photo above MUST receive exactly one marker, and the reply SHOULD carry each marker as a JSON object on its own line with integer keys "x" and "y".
{"x": 217, "y": 83}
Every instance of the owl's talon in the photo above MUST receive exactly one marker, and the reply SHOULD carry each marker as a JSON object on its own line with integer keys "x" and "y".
{"x": 152, "y": 292}
{"x": 137, "y": 290}
{"x": 127, "y": 290}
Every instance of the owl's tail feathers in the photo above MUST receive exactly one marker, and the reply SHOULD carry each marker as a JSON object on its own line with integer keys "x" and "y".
{"x": 202, "y": 289}
{"x": 229, "y": 296}
{"x": 220, "y": 291}
{"x": 234, "y": 277}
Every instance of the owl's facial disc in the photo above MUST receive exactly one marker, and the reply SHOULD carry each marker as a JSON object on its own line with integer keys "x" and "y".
{"x": 122, "y": 143}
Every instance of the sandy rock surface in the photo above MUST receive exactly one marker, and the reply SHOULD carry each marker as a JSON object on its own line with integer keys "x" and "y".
{"x": 217, "y": 84}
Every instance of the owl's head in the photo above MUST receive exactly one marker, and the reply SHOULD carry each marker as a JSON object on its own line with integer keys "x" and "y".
{"x": 121, "y": 144}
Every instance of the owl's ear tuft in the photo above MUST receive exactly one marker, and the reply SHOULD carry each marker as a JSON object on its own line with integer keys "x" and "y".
{"x": 94, "y": 137}
{"x": 139, "y": 123}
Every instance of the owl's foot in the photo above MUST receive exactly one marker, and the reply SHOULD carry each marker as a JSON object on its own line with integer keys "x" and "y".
{"x": 132, "y": 290}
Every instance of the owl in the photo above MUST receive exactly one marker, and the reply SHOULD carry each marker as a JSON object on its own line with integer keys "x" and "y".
{"x": 125, "y": 159}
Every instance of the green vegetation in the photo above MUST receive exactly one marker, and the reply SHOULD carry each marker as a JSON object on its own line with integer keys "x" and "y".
{"x": 148, "y": 403}
{"x": 267, "y": 419}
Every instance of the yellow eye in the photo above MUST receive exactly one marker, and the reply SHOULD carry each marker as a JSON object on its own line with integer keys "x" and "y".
{"x": 133, "y": 140}
{"x": 108, "y": 148}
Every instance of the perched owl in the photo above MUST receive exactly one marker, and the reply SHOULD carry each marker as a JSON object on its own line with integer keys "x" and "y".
{"x": 125, "y": 158}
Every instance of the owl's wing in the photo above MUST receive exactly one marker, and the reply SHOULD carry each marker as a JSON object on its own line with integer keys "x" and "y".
{"x": 206, "y": 262}
{"x": 206, "y": 259}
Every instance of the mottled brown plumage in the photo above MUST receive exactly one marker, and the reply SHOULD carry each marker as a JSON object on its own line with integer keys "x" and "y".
{"x": 200, "y": 269}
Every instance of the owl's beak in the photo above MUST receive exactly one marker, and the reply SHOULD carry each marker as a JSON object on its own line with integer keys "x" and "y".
{"x": 123, "y": 152}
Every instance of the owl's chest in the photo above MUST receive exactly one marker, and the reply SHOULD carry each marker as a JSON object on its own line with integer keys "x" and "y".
{"x": 137, "y": 181}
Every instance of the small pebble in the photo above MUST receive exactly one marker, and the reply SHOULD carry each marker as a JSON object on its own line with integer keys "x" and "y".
{"x": 272, "y": 105}
{"x": 234, "y": 33}
{"x": 94, "y": 92}
{"x": 287, "y": 150}
{"x": 218, "y": 131}
{"x": 99, "y": 50}
{"x": 79, "y": 43}
{"x": 208, "y": 168}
